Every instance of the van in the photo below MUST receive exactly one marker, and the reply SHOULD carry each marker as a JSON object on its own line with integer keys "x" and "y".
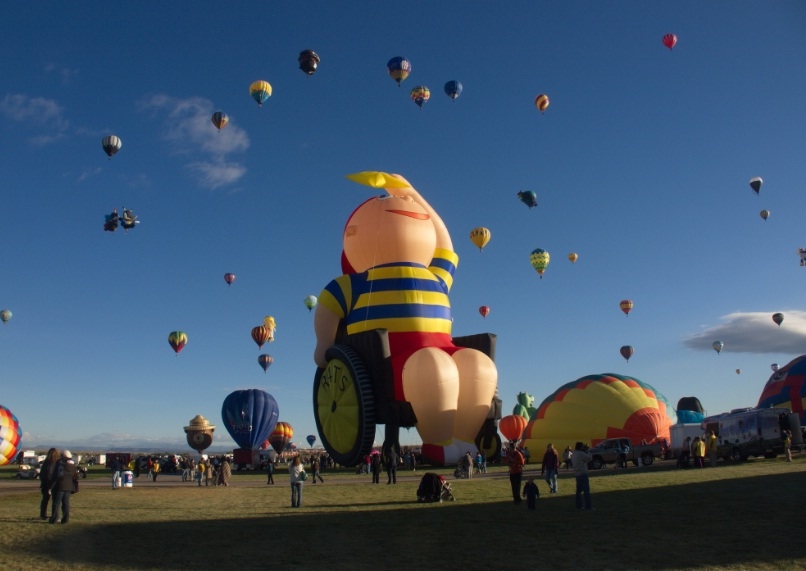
{"x": 753, "y": 432}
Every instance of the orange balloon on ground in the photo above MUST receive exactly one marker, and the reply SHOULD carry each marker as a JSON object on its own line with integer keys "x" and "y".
{"x": 512, "y": 427}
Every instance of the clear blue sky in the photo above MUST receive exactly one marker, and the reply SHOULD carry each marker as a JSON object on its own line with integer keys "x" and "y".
{"x": 640, "y": 164}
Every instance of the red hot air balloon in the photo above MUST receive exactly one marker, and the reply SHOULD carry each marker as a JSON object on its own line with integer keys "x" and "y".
{"x": 512, "y": 427}
{"x": 626, "y": 306}
{"x": 484, "y": 311}
{"x": 669, "y": 40}
{"x": 229, "y": 278}
{"x": 626, "y": 352}
{"x": 261, "y": 335}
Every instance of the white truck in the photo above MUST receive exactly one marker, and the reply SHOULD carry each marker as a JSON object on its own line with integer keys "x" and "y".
{"x": 746, "y": 432}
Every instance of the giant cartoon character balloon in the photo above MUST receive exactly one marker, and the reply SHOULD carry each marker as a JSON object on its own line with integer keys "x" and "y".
{"x": 398, "y": 264}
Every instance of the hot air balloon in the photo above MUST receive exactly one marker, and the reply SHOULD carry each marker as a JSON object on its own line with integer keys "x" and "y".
{"x": 199, "y": 433}
{"x": 420, "y": 95}
{"x": 480, "y": 236}
{"x": 626, "y": 352}
{"x": 540, "y": 260}
{"x": 626, "y": 306}
{"x": 717, "y": 345}
{"x": 10, "y": 436}
{"x": 542, "y": 102}
{"x": 764, "y": 214}
{"x": 111, "y": 145}
{"x": 261, "y": 335}
{"x": 573, "y": 257}
{"x": 229, "y": 278}
{"x": 774, "y": 367}
{"x": 484, "y": 311}
{"x": 453, "y": 89}
{"x": 755, "y": 184}
{"x": 249, "y": 416}
{"x": 260, "y": 91}
{"x": 220, "y": 120}
{"x": 6, "y": 315}
{"x": 281, "y": 436}
{"x": 596, "y": 407}
{"x": 265, "y": 361}
{"x": 399, "y": 68}
{"x": 310, "y": 301}
{"x": 177, "y": 340}
{"x": 311, "y": 439}
{"x": 308, "y": 60}
{"x": 528, "y": 197}
{"x": 738, "y": 371}
{"x": 786, "y": 388}
{"x": 669, "y": 40}
{"x": 690, "y": 410}
{"x": 778, "y": 318}
{"x": 512, "y": 427}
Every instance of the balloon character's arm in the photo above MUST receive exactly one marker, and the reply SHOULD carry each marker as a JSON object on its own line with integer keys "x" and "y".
{"x": 326, "y": 324}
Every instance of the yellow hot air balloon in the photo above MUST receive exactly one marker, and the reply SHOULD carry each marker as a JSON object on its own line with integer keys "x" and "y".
{"x": 573, "y": 256}
{"x": 542, "y": 102}
{"x": 260, "y": 91}
{"x": 540, "y": 260}
{"x": 480, "y": 236}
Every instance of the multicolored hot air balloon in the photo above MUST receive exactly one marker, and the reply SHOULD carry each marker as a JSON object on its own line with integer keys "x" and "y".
{"x": 573, "y": 257}
{"x": 177, "y": 340}
{"x": 6, "y": 315}
{"x": 764, "y": 214}
{"x": 10, "y": 436}
{"x": 669, "y": 40}
{"x": 229, "y": 278}
{"x": 281, "y": 436}
{"x": 310, "y": 301}
{"x": 512, "y": 427}
{"x": 111, "y": 145}
{"x": 420, "y": 95}
{"x": 261, "y": 335}
{"x": 626, "y": 306}
{"x": 542, "y": 102}
{"x": 311, "y": 440}
{"x": 220, "y": 120}
{"x": 755, "y": 184}
{"x": 308, "y": 61}
{"x": 480, "y": 237}
{"x": 596, "y": 407}
{"x": 260, "y": 91}
{"x": 528, "y": 197}
{"x": 249, "y": 416}
{"x": 540, "y": 260}
{"x": 717, "y": 345}
{"x": 265, "y": 361}
{"x": 786, "y": 388}
{"x": 453, "y": 89}
{"x": 778, "y": 318}
{"x": 626, "y": 352}
{"x": 399, "y": 68}
{"x": 484, "y": 311}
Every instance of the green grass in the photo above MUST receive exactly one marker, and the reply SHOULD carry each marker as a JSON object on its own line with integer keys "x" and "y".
{"x": 736, "y": 516}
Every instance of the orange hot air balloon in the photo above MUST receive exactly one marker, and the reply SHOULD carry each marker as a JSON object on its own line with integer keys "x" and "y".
{"x": 261, "y": 335}
{"x": 512, "y": 427}
{"x": 484, "y": 311}
{"x": 542, "y": 102}
{"x": 626, "y": 306}
{"x": 573, "y": 257}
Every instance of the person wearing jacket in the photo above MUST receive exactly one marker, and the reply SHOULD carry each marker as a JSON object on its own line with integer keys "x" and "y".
{"x": 579, "y": 462}
{"x": 296, "y": 470}
{"x": 62, "y": 487}
{"x": 550, "y": 467}
{"x": 47, "y": 474}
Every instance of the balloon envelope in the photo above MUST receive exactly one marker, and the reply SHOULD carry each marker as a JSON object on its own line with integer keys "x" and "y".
{"x": 229, "y": 278}
{"x": 177, "y": 340}
{"x": 596, "y": 407}
{"x": 512, "y": 427}
{"x": 6, "y": 315}
{"x": 310, "y": 301}
{"x": 669, "y": 40}
{"x": 453, "y": 89}
{"x": 111, "y": 145}
{"x": 420, "y": 95}
{"x": 484, "y": 311}
{"x": 764, "y": 214}
{"x": 281, "y": 436}
{"x": 626, "y": 306}
{"x": 220, "y": 119}
{"x": 542, "y": 102}
{"x": 717, "y": 345}
{"x": 261, "y": 334}
{"x": 265, "y": 361}
{"x": 308, "y": 61}
{"x": 249, "y": 416}
{"x": 778, "y": 318}
{"x": 480, "y": 237}
{"x": 573, "y": 257}
{"x": 755, "y": 184}
{"x": 786, "y": 388}
{"x": 10, "y": 436}
{"x": 260, "y": 91}
{"x": 528, "y": 197}
{"x": 399, "y": 68}
{"x": 626, "y": 352}
{"x": 311, "y": 439}
{"x": 540, "y": 260}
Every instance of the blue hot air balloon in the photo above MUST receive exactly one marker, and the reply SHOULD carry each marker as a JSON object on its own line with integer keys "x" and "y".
{"x": 453, "y": 89}
{"x": 250, "y": 416}
{"x": 311, "y": 439}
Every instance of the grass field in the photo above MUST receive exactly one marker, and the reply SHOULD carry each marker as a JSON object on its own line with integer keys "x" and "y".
{"x": 735, "y": 516}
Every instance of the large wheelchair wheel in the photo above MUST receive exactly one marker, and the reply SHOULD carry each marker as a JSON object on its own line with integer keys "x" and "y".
{"x": 492, "y": 451}
{"x": 343, "y": 406}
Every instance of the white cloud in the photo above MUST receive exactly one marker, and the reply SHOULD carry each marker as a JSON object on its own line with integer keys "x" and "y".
{"x": 189, "y": 129}
{"x": 40, "y": 111}
{"x": 88, "y": 173}
{"x": 754, "y": 332}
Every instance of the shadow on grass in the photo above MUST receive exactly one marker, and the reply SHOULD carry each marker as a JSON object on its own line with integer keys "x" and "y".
{"x": 743, "y": 523}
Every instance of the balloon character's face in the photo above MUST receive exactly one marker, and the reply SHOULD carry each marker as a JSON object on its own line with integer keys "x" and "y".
{"x": 389, "y": 229}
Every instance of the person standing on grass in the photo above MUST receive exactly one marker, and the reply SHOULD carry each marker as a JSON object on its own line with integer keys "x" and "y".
{"x": 550, "y": 467}
{"x": 224, "y": 472}
{"x": 712, "y": 448}
{"x": 579, "y": 462}
{"x": 296, "y": 470}
{"x": 62, "y": 487}
{"x": 208, "y": 472}
{"x": 270, "y": 469}
{"x": 531, "y": 493}
{"x": 392, "y": 460}
{"x": 515, "y": 462}
{"x": 698, "y": 449}
{"x": 315, "y": 469}
{"x": 787, "y": 436}
{"x": 155, "y": 469}
{"x": 47, "y": 475}
{"x": 375, "y": 466}
{"x": 117, "y": 467}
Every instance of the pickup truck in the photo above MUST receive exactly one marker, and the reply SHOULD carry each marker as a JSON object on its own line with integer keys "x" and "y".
{"x": 607, "y": 452}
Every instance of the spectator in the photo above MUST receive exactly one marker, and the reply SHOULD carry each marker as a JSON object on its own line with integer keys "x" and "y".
{"x": 117, "y": 467}
{"x": 550, "y": 467}
{"x": 315, "y": 469}
{"x": 62, "y": 487}
{"x": 531, "y": 493}
{"x": 297, "y": 473}
{"x": 712, "y": 446}
{"x": 579, "y": 462}
{"x": 47, "y": 476}
{"x": 392, "y": 460}
{"x": 515, "y": 462}
{"x": 698, "y": 448}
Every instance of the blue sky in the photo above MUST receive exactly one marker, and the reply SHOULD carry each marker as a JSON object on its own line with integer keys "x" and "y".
{"x": 640, "y": 164}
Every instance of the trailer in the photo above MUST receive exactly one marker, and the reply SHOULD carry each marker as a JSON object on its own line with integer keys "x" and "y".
{"x": 678, "y": 434}
{"x": 742, "y": 433}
